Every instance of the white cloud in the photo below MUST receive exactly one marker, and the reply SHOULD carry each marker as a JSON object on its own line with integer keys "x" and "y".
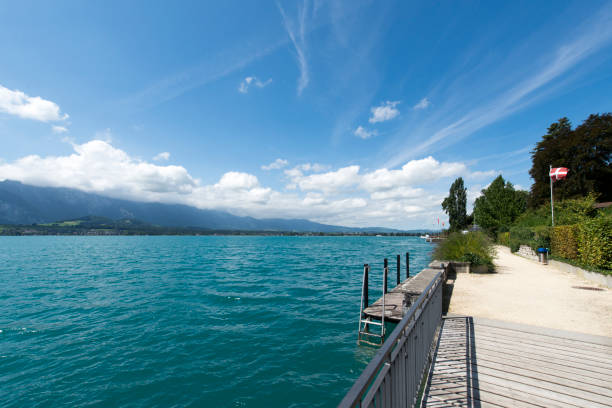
{"x": 96, "y": 166}
{"x": 276, "y": 165}
{"x": 162, "y": 156}
{"x": 406, "y": 198}
{"x": 251, "y": 80}
{"x": 297, "y": 36}
{"x": 423, "y": 103}
{"x": 29, "y": 107}
{"x": 331, "y": 182}
{"x": 364, "y": 133}
{"x": 314, "y": 167}
{"x": 235, "y": 180}
{"x": 384, "y": 112}
{"x": 415, "y": 172}
{"x": 59, "y": 129}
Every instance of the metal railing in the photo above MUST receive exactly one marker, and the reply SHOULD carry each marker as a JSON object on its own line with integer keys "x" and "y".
{"x": 393, "y": 378}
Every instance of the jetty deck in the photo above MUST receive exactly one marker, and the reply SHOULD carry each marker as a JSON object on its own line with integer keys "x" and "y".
{"x": 411, "y": 287}
{"x": 480, "y": 362}
{"x": 431, "y": 360}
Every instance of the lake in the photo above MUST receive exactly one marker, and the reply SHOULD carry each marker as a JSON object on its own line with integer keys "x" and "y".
{"x": 220, "y": 321}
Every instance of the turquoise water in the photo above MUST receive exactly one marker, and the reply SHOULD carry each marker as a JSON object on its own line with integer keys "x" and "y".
{"x": 186, "y": 321}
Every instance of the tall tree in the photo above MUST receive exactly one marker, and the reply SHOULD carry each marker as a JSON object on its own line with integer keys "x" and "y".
{"x": 454, "y": 205}
{"x": 585, "y": 151}
{"x": 499, "y": 205}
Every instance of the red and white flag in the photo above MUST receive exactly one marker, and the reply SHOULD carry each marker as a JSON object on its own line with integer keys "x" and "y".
{"x": 558, "y": 173}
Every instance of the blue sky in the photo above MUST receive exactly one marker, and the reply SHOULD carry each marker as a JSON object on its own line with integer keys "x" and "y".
{"x": 353, "y": 113}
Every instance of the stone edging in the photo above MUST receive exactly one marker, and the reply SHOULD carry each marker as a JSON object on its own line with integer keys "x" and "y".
{"x": 604, "y": 280}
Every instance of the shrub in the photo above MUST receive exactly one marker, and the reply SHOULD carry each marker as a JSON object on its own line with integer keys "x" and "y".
{"x": 564, "y": 241}
{"x": 541, "y": 237}
{"x": 534, "y": 237}
{"x": 520, "y": 236}
{"x": 503, "y": 238}
{"x": 474, "y": 247}
{"x": 567, "y": 212}
{"x": 595, "y": 242}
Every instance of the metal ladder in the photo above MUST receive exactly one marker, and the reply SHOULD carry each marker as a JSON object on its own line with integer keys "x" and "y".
{"x": 364, "y": 334}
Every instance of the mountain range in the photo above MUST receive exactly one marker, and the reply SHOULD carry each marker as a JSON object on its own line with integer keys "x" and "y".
{"x": 22, "y": 204}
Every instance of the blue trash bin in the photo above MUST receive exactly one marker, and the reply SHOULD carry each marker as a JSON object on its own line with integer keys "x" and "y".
{"x": 543, "y": 255}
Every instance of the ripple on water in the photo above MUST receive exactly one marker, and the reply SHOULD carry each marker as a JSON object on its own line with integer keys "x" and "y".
{"x": 185, "y": 321}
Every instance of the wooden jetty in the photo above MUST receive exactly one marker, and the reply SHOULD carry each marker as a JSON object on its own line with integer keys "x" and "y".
{"x": 401, "y": 297}
{"x": 481, "y": 362}
{"x": 434, "y": 361}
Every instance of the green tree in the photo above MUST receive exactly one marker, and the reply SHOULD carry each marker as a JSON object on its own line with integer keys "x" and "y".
{"x": 499, "y": 205}
{"x": 454, "y": 205}
{"x": 584, "y": 150}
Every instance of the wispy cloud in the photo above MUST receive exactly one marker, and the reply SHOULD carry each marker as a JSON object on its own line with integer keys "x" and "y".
{"x": 297, "y": 36}
{"x": 162, "y": 156}
{"x": 365, "y": 133}
{"x": 29, "y": 107}
{"x": 59, "y": 129}
{"x": 588, "y": 38}
{"x": 423, "y": 104}
{"x": 206, "y": 72}
{"x": 251, "y": 80}
{"x": 276, "y": 165}
{"x": 384, "y": 112}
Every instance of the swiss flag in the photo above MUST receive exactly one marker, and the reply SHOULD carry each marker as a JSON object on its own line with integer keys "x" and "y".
{"x": 558, "y": 173}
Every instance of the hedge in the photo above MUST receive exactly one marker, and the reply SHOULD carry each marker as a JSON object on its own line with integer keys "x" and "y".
{"x": 589, "y": 242}
{"x": 595, "y": 242}
{"x": 564, "y": 241}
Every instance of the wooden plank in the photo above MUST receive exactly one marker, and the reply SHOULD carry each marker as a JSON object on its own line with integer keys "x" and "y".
{"x": 489, "y": 393}
{"x": 537, "y": 358}
{"x": 553, "y": 377}
{"x": 527, "y": 375}
{"x": 560, "y": 351}
{"x": 555, "y": 341}
{"x": 563, "y": 334}
{"x": 544, "y": 368}
{"x": 504, "y": 396}
{"x": 542, "y": 351}
{"x": 542, "y": 364}
{"x": 524, "y": 367}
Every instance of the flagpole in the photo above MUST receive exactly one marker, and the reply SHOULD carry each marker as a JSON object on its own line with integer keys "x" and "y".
{"x": 552, "y": 204}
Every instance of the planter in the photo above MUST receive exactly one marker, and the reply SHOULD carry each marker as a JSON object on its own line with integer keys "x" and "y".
{"x": 479, "y": 269}
{"x": 466, "y": 267}
{"x": 460, "y": 267}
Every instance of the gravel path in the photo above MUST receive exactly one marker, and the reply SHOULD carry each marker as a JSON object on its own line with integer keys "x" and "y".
{"x": 524, "y": 291}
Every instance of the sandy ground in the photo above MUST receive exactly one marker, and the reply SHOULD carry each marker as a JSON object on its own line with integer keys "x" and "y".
{"x": 524, "y": 291}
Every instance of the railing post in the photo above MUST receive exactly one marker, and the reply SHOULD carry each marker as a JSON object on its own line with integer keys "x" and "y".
{"x": 398, "y": 269}
{"x": 386, "y": 271}
{"x": 365, "y": 294}
{"x": 407, "y": 265}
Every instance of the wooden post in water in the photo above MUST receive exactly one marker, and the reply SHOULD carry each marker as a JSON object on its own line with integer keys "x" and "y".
{"x": 407, "y": 265}
{"x": 385, "y": 275}
{"x": 398, "y": 269}
{"x": 366, "y": 289}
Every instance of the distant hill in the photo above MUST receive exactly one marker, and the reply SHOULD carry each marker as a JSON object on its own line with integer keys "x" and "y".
{"x": 26, "y": 204}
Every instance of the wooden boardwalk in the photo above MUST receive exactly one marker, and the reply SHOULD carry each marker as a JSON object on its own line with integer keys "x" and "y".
{"x": 482, "y": 363}
{"x": 411, "y": 287}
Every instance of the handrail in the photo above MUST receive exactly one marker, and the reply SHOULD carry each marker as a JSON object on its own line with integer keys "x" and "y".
{"x": 374, "y": 370}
